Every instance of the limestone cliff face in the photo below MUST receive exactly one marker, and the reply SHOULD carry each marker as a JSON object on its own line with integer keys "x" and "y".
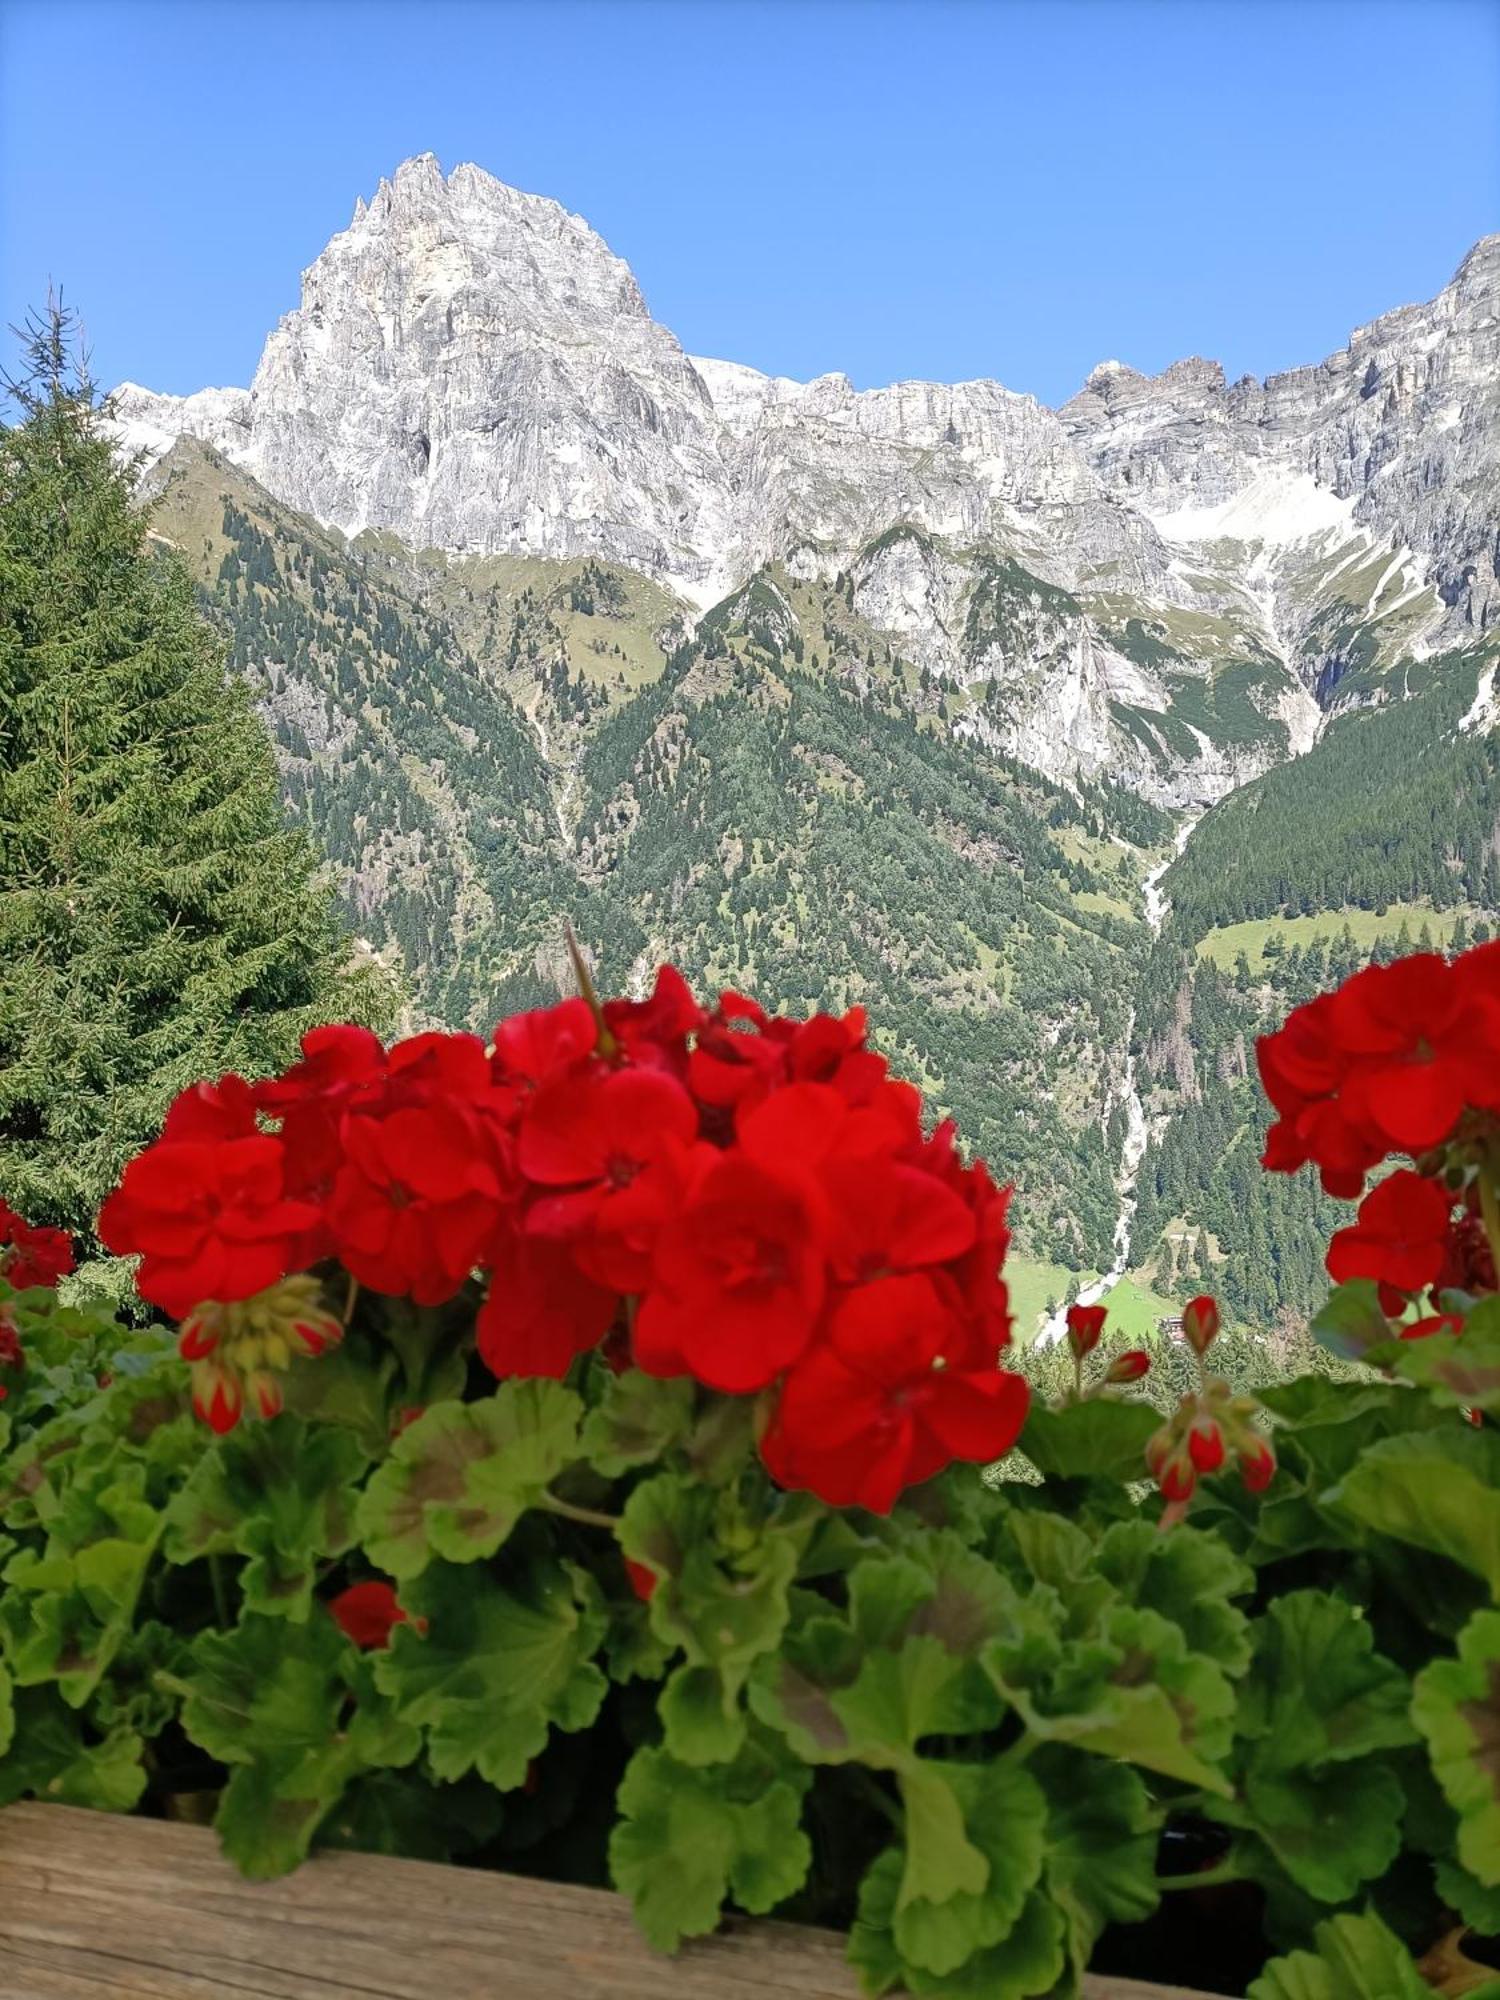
{"x": 472, "y": 369}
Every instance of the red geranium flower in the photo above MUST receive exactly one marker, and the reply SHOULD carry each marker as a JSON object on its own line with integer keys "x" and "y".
{"x": 368, "y": 1613}
{"x": 1400, "y": 1238}
{"x": 599, "y": 1135}
{"x": 32, "y": 1256}
{"x": 894, "y": 1394}
{"x": 425, "y": 1175}
{"x": 209, "y": 1219}
{"x": 541, "y": 1311}
{"x": 738, "y": 1276}
{"x": 655, "y": 1032}
{"x": 548, "y": 1042}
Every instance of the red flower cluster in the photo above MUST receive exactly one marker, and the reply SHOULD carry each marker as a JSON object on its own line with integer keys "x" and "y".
{"x": 737, "y": 1197}
{"x": 1389, "y": 1063}
{"x": 30, "y": 1256}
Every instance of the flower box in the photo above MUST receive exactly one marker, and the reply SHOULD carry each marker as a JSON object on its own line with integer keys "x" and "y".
{"x": 94, "y": 1905}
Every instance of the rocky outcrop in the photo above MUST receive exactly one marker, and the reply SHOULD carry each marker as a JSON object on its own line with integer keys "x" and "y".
{"x": 472, "y": 369}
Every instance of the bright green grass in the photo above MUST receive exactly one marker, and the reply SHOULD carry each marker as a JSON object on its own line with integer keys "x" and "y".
{"x": 1031, "y": 1284}
{"x": 1223, "y": 946}
{"x": 1134, "y": 1310}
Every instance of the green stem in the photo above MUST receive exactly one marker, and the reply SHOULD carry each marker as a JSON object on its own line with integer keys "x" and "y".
{"x": 1021, "y": 1749}
{"x": 870, "y": 1787}
{"x": 1207, "y": 1878}
{"x": 221, "y": 1592}
{"x": 588, "y": 1516}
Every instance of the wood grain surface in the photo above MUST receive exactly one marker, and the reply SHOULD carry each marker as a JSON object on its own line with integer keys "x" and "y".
{"x": 98, "y": 1907}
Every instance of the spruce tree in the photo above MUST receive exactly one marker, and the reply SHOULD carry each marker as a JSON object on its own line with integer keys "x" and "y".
{"x": 159, "y": 921}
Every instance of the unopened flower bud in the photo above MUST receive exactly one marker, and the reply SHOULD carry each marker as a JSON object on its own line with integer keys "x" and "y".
{"x": 1200, "y": 1323}
{"x": 1159, "y": 1447}
{"x": 1085, "y": 1325}
{"x": 1257, "y": 1463}
{"x": 1177, "y": 1478}
{"x": 1206, "y": 1445}
{"x": 1129, "y": 1366}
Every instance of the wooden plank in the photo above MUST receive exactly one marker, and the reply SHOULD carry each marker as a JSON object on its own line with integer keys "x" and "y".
{"x": 98, "y": 1907}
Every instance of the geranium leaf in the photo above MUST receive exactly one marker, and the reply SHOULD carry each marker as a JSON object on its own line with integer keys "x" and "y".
{"x": 1318, "y": 1692}
{"x": 283, "y": 1495}
{"x": 263, "y": 1691}
{"x": 1095, "y": 1440}
{"x": 1350, "y": 1322}
{"x": 1439, "y": 1490}
{"x": 724, "y": 1611}
{"x": 1460, "y": 1371}
{"x": 7, "y": 1710}
{"x": 488, "y": 1672}
{"x": 49, "y": 1758}
{"x": 1356, "y": 1958}
{"x": 64, "y": 1616}
{"x": 638, "y": 1418}
{"x": 1187, "y": 1576}
{"x": 1004, "y": 1815}
{"x": 1456, "y": 1705}
{"x": 687, "y": 1838}
{"x": 703, "y": 1721}
{"x": 1132, "y": 1691}
{"x": 1100, "y": 1840}
{"x": 459, "y": 1478}
{"x": 1331, "y": 1830}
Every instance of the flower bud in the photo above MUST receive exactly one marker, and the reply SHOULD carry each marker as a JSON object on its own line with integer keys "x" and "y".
{"x": 1129, "y": 1366}
{"x": 643, "y": 1580}
{"x": 1085, "y": 1325}
{"x": 1159, "y": 1448}
{"x": 1206, "y": 1445}
{"x": 1177, "y": 1478}
{"x": 1200, "y": 1323}
{"x": 1257, "y": 1463}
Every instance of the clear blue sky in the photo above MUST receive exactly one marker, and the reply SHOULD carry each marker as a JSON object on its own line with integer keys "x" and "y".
{"x": 932, "y": 189}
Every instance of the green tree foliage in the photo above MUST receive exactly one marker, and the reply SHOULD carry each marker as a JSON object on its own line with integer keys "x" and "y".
{"x": 158, "y": 920}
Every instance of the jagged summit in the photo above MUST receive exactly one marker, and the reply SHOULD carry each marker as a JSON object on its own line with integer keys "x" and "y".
{"x": 471, "y": 368}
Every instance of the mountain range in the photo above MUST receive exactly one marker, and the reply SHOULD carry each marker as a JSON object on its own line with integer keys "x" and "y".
{"x": 1076, "y": 742}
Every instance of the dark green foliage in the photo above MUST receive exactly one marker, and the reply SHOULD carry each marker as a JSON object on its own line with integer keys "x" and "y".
{"x": 1398, "y": 805}
{"x": 158, "y": 920}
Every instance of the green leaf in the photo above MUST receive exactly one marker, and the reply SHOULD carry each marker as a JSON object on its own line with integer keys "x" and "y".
{"x": 1101, "y": 1839}
{"x": 1094, "y": 1440}
{"x": 63, "y": 1617}
{"x": 1024, "y": 1965}
{"x": 1331, "y": 1829}
{"x": 1456, "y": 1705}
{"x": 702, "y": 1719}
{"x": 637, "y": 1421}
{"x": 1477, "y": 1903}
{"x": 1187, "y": 1576}
{"x": 49, "y": 1758}
{"x": 1318, "y": 1692}
{"x": 260, "y": 1690}
{"x": 1004, "y": 1815}
{"x": 1439, "y": 1490}
{"x": 1357, "y": 1958}
{"x": 270, "y": 1700}
{"x": 1130, "y": 1690}
{"x": 1460, "y": 1371}
{"x": 7, "y": 1710}
{"x": 689, "y": 1838}
{"x": 1350, "y": 1322}
{"x": 724, "y": 1608}
{"x": 495, "y": 1669}
{"x": 281, "y": 1494}
{"x": 463, "y": 1474}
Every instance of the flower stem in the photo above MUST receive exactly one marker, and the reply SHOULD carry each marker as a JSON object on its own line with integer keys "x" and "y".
{"x": 588, "y": 1516}
{"x": 1206, "y": 1878}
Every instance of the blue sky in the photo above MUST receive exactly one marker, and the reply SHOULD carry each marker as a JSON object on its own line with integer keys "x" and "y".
{"x": 933, "y": 189}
